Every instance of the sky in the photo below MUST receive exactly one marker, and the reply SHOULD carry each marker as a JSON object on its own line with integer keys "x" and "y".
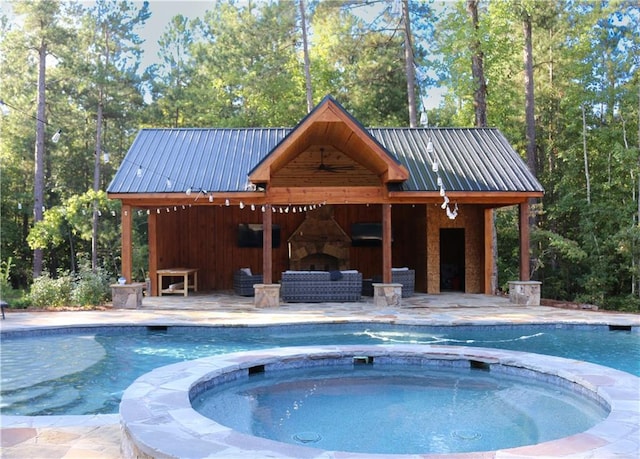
{"x": 161, "y": 13}
{"x": 163, "y": 10}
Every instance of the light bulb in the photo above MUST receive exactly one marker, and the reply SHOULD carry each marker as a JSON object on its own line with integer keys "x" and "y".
{"x": 139, "y": 171}
{"x": 105, "y": 157}
{"x": 430, "y": 147}
{"x": 226, "y": 202}
{"x": 189, "y": 191}
{"x": 434, "y": 166}
{"x": 56, "y": 136}
{"x": 210, "y": 198}
{"x": 241, "y": 205}
{"x": 169, "y": 184}
{"x": 253, "y": 207}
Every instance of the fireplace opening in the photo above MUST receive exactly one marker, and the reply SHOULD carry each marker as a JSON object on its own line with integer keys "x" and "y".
{"x": 319, "y": 262}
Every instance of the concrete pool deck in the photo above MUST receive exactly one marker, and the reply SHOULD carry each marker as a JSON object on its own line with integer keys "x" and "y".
{"x": 99, "y": 436}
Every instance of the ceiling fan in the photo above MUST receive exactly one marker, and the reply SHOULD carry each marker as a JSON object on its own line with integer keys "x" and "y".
{"x": 328, "y": 168}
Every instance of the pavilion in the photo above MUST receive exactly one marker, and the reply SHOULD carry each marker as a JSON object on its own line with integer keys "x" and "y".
{"x": 334, "y": 194}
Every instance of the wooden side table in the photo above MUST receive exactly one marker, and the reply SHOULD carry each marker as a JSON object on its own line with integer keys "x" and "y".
{"x": 185, "y": 274}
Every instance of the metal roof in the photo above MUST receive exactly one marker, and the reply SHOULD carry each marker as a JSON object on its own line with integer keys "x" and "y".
{"x": 219, "y": 160}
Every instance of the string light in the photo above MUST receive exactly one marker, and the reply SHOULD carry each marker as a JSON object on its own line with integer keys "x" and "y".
{"x": 4, "y": 108}
{"x": 435, "y": 167}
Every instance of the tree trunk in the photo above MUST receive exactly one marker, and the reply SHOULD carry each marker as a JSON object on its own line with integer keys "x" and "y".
{"x": 477, "y": 68}
{"x": 307, "y": 61}
{"x": 480, "y": 110}
{"x": 529, "y": 99}
{"x": 96, "y": 186}
{"x": 38, "y": 187}
{"x": 409, "y": 62}
{"x": 584, "y": 153}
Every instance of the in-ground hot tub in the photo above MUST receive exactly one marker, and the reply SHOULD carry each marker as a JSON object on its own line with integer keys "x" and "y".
{"x": 159, "y": 420}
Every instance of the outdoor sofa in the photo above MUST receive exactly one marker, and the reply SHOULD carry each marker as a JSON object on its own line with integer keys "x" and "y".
{"x": 320, "y": 286}
{"x": 244, "y": 280}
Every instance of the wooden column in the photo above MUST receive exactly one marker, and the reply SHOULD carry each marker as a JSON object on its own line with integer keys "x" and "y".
{"x": 127, "y": 249}
{"x": 267, "y": 251}
{"x": 152, "y": 230}
{"x": 386, "y": 243}
{"x": 488, "y": 251}
{"x": 524, "y": 242}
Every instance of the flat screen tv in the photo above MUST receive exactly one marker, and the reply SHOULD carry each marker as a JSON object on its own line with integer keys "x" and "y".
{"x": 250, "y": 235}
{"x": 366, "y": 234}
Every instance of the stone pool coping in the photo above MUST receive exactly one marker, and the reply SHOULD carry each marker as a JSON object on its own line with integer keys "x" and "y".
{"x": 157, "y": 418}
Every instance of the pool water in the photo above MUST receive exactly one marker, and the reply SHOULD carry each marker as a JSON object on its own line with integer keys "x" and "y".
{"x": 85, "y": 371}
{"x": 359, "y": 408}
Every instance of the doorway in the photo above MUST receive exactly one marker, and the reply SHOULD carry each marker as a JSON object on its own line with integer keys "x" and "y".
{"x": 452, "y": 259}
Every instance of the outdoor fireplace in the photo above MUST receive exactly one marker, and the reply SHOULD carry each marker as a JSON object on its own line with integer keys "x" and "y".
{"x": 319, "y": 243}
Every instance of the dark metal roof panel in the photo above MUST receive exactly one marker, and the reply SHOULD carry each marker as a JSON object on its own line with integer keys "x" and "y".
{"x": 200, "y": 159}
{"x": 470, "y": 159}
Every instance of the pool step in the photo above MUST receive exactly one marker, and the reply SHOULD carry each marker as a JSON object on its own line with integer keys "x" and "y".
{"x": 41, "y": 400}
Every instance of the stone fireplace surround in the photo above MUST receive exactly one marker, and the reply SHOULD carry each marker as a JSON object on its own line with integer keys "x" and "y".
{"x": 319, "y": 243}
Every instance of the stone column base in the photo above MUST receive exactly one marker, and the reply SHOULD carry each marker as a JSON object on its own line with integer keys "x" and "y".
{"x": 266, "y": 295}
{"x": 526, "y": 293}
{"x": 387, "y": 294}
{"x": 127, "y": 296}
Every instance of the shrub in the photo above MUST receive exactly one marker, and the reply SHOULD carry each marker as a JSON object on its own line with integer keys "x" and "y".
{"x": 90, "y": 288}
{"x": 46, "y": 291}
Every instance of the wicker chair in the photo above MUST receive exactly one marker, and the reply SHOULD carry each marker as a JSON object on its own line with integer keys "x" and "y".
{"x": 243, "y": 283}
{"x": 406, "y": 277}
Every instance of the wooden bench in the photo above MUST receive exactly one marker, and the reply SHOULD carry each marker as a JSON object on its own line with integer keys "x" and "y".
{"x": 184, "y": 273}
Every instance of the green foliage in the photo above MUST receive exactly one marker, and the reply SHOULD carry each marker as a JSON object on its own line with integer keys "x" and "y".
{"x": 84, "y": 288}
{"x": 241, "y": 65}
{"x": 51, "y": 292}
{"x": 89, "y": 288}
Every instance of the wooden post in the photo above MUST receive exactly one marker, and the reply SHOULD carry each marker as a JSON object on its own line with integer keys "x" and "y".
{"x": 524, "y": 242}
{"x": 152, "y": 230}
{"x": 488, "y": 251}
{"x": 267, "y": 237}
{"x": 126, "y": 249}
{"x": 386, "y": 243}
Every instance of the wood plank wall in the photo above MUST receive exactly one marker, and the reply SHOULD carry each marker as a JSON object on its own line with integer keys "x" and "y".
{"x": 205, "y": 237}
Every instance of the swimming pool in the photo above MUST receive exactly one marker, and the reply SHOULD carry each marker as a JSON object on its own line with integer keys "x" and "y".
{"x": 399, "y": 408}
{"x": 85, "y": 370}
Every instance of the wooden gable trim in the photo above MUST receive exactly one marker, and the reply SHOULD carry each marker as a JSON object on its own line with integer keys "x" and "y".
{"x": 317, "y": 128}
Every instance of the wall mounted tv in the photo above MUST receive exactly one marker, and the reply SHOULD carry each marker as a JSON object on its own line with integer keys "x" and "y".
{"x": 250, "y": 235}
{"x": 366, "y": 234}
